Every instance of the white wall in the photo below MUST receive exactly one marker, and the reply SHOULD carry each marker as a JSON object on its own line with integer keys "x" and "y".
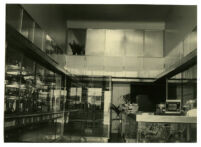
{"x": 121, "y": 42}
{"x": 120, "y": 53}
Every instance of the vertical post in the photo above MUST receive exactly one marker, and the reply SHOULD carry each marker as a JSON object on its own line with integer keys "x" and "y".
{"x": 188, "y": 133}
{"x": 166, "y": 87}
{"x": 63, "y": 112}
{"x": 21, "y": 19}
{"x": 110, "y": 112}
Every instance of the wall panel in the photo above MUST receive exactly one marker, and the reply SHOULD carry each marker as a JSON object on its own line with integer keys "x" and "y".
{"x": 153, "y": 44}
{"x": 115, "y": 43}
{"x": 133, "y": 43}
{"x": 95, "y": 42}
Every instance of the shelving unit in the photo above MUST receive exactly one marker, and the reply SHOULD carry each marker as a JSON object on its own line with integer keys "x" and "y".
{"x": 35, "y": 84}
{"x": 17, "y": 121}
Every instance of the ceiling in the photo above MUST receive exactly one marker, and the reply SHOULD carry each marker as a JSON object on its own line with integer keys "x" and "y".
{"x": 115, "y": 12}
{"x": 52, "y": 17}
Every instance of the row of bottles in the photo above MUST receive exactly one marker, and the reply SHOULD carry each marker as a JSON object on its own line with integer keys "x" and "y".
{"x": 30, "y": 87}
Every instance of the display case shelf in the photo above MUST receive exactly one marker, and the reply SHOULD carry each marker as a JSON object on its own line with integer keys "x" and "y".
{"x": 16, "y": 121}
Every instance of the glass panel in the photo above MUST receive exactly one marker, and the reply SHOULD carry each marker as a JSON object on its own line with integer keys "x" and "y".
{"x": 31, "y": 93}
{"x": 12, "y": 80}
{"x": 90, "y": 102}
{"x": 175, "y": 87}
{"x": 57, "y": 91}
{"x": 41, "y": 89}
{"x": 27, "y": 26}
{"x": 189, "y": 92}
{"x": 166, "y": 132}
{"x": 76, "y": 41}
{"x": 27, "y": 89}
{"x": 38, "y": 35}
{"x": 153, "y": 44}
{"x": 134, "y": 43}
{"x": 13, "y": 16}
{"x": 183, "y": 86}
{"x": 95, "y": 41}
{"x": 48, "y": 45}
{"x": 115, "y": 43}
{"x": 49, "y": 89}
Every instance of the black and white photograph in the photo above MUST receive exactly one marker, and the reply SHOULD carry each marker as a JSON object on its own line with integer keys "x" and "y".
{"x": 99, "y": 73}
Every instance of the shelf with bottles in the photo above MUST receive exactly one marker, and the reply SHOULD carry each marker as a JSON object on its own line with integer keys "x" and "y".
{"x": 12, "y": 80}
{"x": 30, "y": 87}
{"x": 27, "y": 88}
{"x": 14, "y": 121}
{"x": 43, "y": 99}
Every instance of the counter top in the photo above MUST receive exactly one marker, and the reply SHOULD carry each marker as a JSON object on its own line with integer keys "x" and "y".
{"x": 165, "y": 118}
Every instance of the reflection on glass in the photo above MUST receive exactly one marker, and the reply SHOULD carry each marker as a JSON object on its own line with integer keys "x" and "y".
{"x": 13, "y": 16}
{"x": 12, "y": 80}
{"x": 27, "y": 87}
{"x": 32, "y": 94}
{"x": 166, "y": 132}
{"x": 184, "y": 86}
{"x": 175, "y": 87}
{"x": 189, "y": 92}
{"x": 27, "y": 26}
{"x": 40, "y": 86}
{"x": 38, "y": 35}
{"x": 89, "y": 105}
{"x": 57, "y": 92}
{"x": 49, "y": 89}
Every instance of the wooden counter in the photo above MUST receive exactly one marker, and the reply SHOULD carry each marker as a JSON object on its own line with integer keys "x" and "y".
{"x": 165, "y": 118}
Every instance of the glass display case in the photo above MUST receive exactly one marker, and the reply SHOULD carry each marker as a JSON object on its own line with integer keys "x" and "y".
{"x": 128, "y": 127}
{"x": 27, "y": 88}
{"x": 12, "y": 80}
{"x": 35, "y": 93}
{"x": 34, "y": 101}
{"x": 41, "y": 88}
{"x": 183, "y": 86}
{"x": 166, "y": 132}
{"x": 89, "y": 106}
{"x": 50, "y": 82}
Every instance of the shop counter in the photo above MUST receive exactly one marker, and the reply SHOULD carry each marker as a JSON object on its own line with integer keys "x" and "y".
{"x": 166, "y": 128}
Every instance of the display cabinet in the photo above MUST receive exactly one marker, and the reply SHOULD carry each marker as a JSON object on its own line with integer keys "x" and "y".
{"x": 89, "y": 105}
{"x": 27, "y": 88}
{"x": 128, "y": 127}
{"x": 12, "y": 80}
{"x": 35, "y": 95}
{"x": 157, "y": 128}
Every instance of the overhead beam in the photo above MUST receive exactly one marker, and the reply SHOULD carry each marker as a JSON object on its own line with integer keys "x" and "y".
{"x": 82, "y": 24}
{"x": 181, "y": 65}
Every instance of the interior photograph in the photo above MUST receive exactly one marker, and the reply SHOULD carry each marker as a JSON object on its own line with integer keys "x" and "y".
{"x": 100, "y": 73}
